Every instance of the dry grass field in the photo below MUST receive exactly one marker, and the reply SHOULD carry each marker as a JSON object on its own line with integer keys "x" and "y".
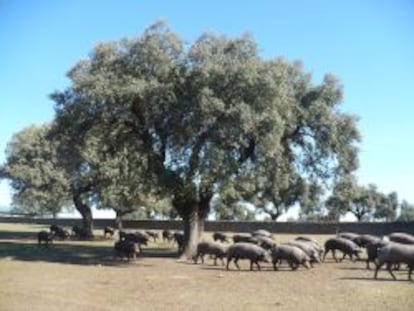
{"x": 82, "y": 275}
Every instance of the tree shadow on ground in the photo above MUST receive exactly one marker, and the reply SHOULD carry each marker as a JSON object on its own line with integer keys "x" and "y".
{"x": 332, "y": 261}
{"x": 27, "y": 235}
{"x": 153, "y": 252}
{"x": 17, "y": 235}
{"x": 208, "y": 266}
{"x": 364, "y": 268}
{"x": 361, "y": 278}
{"x": 78, "y": 254}
{"x": 233, "y": 268}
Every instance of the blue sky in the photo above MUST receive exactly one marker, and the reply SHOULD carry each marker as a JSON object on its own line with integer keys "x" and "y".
{"x": 369, "y": 45}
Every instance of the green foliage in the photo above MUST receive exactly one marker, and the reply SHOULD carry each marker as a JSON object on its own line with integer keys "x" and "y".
{"x": 231, "y": 210}
{"x": 364, "y": 202}
{"x": 40, "y": 185}
{"x": 348, "y": 196}
{"x": 154, "y": 208}
{"x": 189, "y": 122}
{"x": 386, "y": 206}
{"x": 406, "y": 212}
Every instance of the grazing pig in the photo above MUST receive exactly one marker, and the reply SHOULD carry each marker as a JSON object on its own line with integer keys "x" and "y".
{"x": 262, "y": 232}
{"x": 108, "y": 230}
{"x": 59, "y": 232}
{"x": 364, "y": 239}
{"x": 122, "y": 235}
{"x": 308, "y": 249}
{"x": 265, "y": 242}
{"x": 153, "y": 234}
{"x": 140, "y": 238}
{"x": 167, "y": 235}
{"x": 81, "y": 233}
{"x": 54, "y": 228}
{"x": 347, "y": 247}
{"x": 395, "y": 253}
{"x": 372, "y": 251}
{"x": 315, "y": 244}
{"x": 219, "y": 236}
{"x": 245, "y": 250}
{"x": 292, "y": 254}
{"x": 401, "y": 237}
{"x": 125, "y": 248}
{"x": 348, "y": 235}
{"x": 237, "y": 238}
{"x": 180, "y": 240}
{"x": 44, "y": 236}
{"x": 210, "y": 248}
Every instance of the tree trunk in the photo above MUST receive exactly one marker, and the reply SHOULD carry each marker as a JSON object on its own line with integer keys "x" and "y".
{"x": 118, "y": 221}
{"x": 191, "y": 231}
{"x": 86, "y": 213}
{"x": 358, "y": 214}
{"x": 193, "y": 213}
{"x": 201, "y": 225}
{"x": 274, "y": 215}
{"x": 186, "y": 223}
{"x": 204, "y": 210}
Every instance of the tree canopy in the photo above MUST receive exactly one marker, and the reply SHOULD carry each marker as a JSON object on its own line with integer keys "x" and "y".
{"x": 364, "y": 202}
{"x": 196, "y": 119}
{"x": 406, "y": 211}
{"x": 39, "y": 182}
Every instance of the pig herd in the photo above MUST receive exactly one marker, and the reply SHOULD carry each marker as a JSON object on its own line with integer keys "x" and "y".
{"x": 394, "y": 251}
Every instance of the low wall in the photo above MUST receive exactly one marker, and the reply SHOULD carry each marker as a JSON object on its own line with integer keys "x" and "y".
{"x": 377, "y": 228}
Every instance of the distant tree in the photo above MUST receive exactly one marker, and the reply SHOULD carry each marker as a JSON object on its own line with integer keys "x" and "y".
{"x": 386, "y": 206}
{"x": 363, "y": 202}
{"x": 47, "y": 173}
{"x": 40, "y": 185}
{"x": 318, "y": 217}
{"x": 154, "y": 209}
{"x": 229, "y": 203}
{"x": 225, "y": 209}
{"x": 348, "y": 196}
{"x": 319, "y": 212}
{"x": 277, "y": 192}
{"x": 291, "y": 219}
{"x": 407, "y": 211}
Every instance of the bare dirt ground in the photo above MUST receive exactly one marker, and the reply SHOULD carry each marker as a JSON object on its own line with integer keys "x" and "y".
{"x": 82, "y": 275}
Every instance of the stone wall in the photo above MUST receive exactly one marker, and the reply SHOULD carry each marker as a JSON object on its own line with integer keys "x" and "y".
{"x": 377, "y": 228}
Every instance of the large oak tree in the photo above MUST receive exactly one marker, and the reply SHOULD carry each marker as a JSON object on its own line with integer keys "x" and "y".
{"x": 193, "y": 120}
